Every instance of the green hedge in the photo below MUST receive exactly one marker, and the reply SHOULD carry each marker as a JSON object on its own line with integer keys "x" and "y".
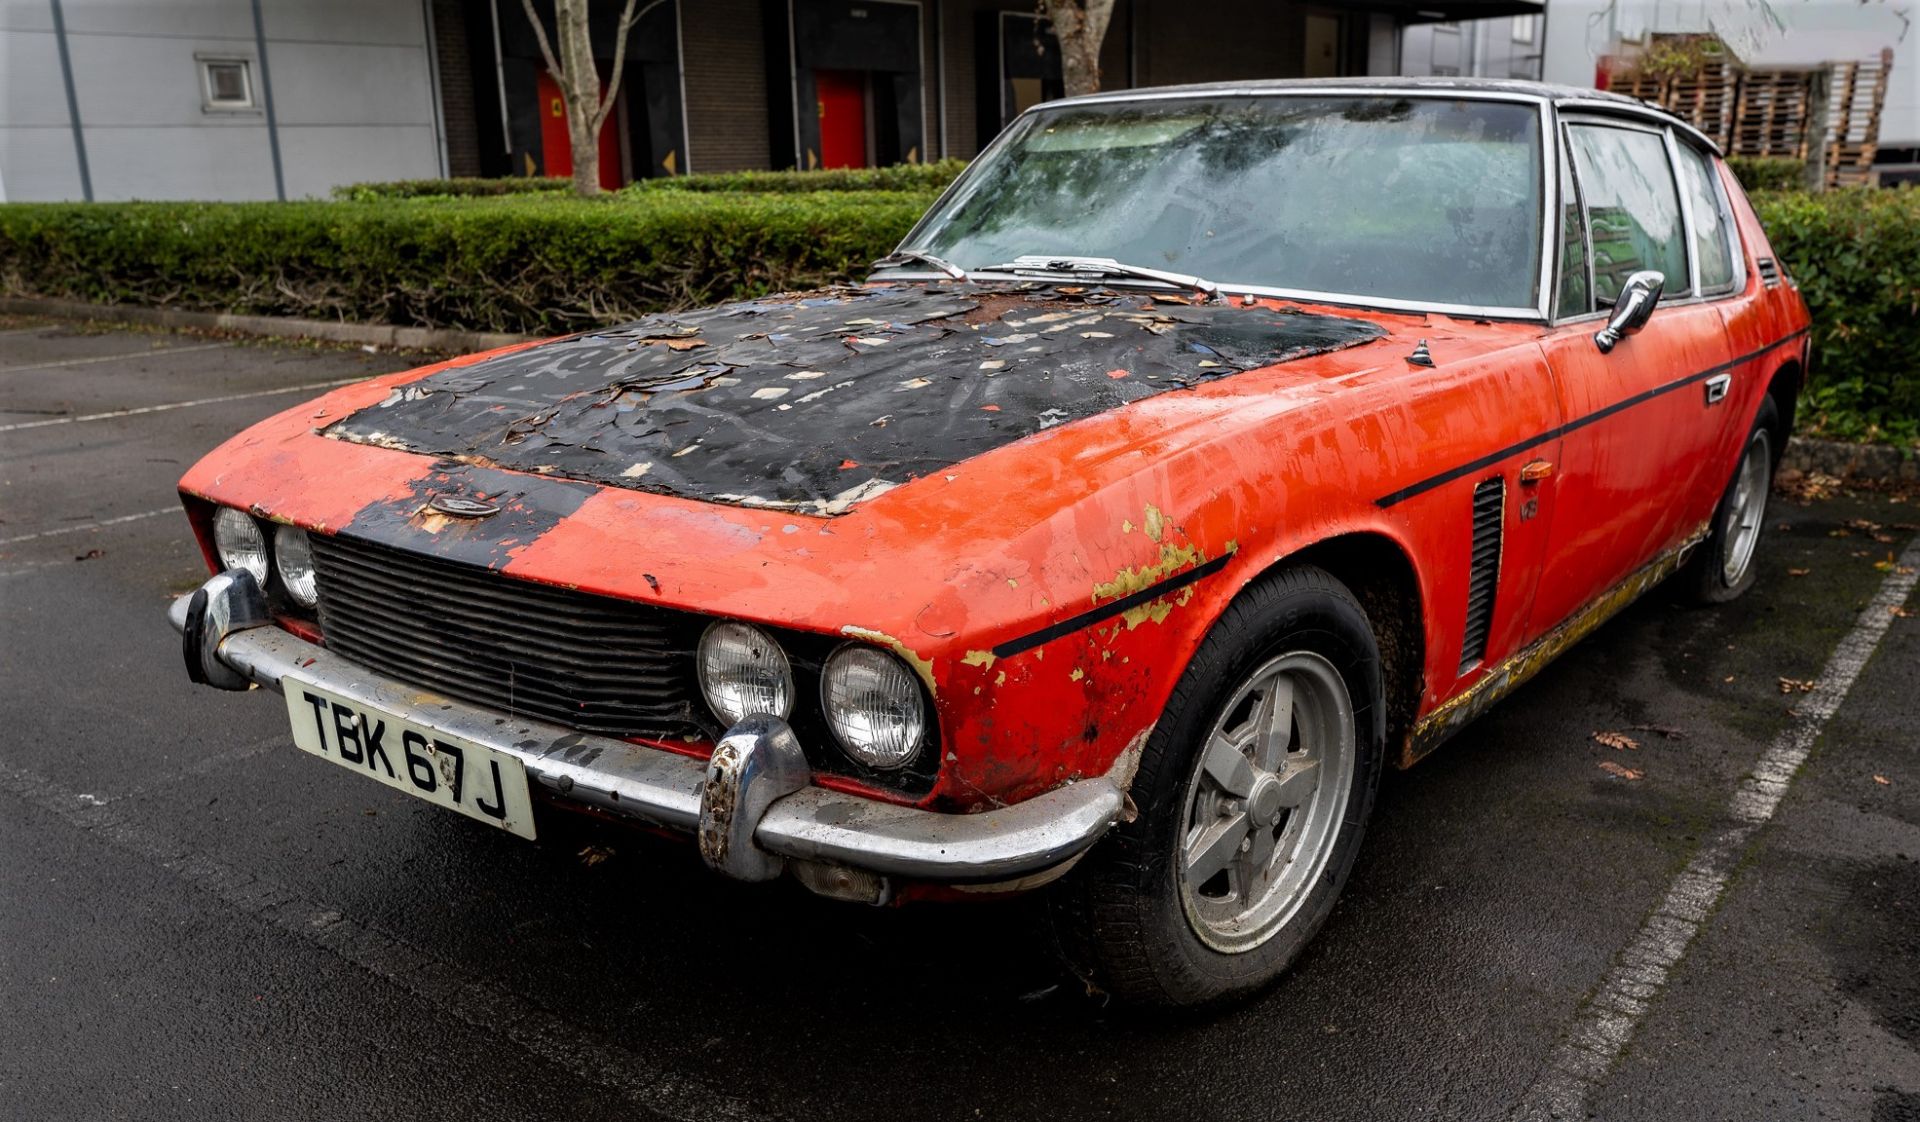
{"x": 523, "y": 263}
{"x": 900, "y": 177}
{"x": 1856, "y": 255}
{"x": 550, "y": 262}
{"x": 450, "y": 188}
{"x": 1768, "y": 173}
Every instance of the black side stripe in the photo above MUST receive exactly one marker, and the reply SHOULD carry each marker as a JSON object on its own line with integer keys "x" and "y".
{"x": 1556, "y": 433}
{"x": 1107, "y": 611}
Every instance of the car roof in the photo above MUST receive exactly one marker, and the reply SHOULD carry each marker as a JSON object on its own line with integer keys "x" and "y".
{"x": 1568, "y": 97}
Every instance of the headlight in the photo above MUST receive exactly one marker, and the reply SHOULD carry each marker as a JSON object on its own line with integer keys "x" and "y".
{"x": 294, "y": 557}
{"x": 873, "y": 705}
{"x": 238, "y": 541}
{"x": 743, "y": 672}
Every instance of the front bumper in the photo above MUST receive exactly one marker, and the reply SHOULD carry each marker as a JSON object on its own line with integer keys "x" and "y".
{"x": 752, "y": 806}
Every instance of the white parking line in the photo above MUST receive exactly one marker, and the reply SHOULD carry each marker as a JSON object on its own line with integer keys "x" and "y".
{"x": 453, "y": 991}
{"x": 108, "y": 358}
{"x": 175, "y": 509}
{"x": 117, "y": 413}
{"x": 1603, "y": 1027}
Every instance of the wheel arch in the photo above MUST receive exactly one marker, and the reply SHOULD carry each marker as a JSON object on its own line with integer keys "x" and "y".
{"x": 1380, "y": 573}
{"x": 1784, "y": 388}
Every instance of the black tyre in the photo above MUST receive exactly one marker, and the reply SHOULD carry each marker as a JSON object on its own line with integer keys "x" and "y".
{"x": 1723, "y": 566}
{"x": 1253, "y": 793}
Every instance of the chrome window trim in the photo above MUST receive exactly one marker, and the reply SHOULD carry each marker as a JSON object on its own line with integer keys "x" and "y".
{"x": 1541, "y": 310}
{"x": 1564, "y": 156}
{"x": 1691, "y": 230}
{"x": 1639, "y": 112}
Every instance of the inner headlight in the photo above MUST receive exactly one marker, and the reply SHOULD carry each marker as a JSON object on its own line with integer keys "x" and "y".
{"x": 294, "y": 557}
{"x": 238, "y": 541}
{"x": 873, "y": 704}
{"x": 743, "y": 672}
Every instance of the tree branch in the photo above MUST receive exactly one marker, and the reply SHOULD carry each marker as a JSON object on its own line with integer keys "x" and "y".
{"x": 619, "y": 67}
{"x": 546, "y": 49}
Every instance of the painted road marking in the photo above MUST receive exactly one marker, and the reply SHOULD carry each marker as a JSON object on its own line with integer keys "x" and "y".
{"x": 117, "y": 413}
{"x": 1603, "y": 1027}
{"x": 108, "y": 358}
{"x": 175, "y": 509}
{"x": 455, "y": 992}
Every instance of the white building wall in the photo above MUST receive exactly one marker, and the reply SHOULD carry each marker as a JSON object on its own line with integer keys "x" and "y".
{"x": 1777, "y": 34}
{"x": 351, "y": 82}
{"x": 1484, "y": 48}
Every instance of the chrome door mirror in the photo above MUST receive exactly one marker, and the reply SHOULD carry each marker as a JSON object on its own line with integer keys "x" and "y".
{"x": 1637, "y": 299}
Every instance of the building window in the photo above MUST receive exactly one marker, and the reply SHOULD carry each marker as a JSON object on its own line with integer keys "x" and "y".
{"x": 1525, "y": 28}
{"x": 226, "y": 84}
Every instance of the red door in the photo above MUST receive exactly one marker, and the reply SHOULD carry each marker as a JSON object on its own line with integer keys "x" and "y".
{"x": 843, "y": 117}
{"x": 555, "y": 149}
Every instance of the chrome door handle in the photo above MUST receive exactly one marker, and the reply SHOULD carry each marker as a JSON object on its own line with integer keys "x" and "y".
{"x": 1717, "y": 388}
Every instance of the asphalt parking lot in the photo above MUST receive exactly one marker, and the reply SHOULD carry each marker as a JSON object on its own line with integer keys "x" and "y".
{"x": 198, "y": 921}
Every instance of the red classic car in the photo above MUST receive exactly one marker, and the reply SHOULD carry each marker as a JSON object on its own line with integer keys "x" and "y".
{"x": 1202, "y": 452}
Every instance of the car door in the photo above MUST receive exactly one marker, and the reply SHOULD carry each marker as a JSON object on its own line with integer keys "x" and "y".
{"x": 1632, "y": 457}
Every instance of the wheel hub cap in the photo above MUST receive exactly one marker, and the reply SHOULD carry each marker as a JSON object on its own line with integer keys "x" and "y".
{"x": 1265, "y": 801}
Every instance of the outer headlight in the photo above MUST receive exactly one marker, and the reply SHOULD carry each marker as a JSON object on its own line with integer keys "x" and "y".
{"x": 873, "y": 705}
{"x": 238, "y": 541}
{"x": 743, "y": 672}
{"x": 294, "y": 557}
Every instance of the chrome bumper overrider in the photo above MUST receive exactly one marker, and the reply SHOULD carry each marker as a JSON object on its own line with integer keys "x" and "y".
{"x": 752, "y": 806}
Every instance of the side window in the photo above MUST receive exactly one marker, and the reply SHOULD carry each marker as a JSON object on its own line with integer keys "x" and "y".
{"x": 1633, "y": 208}
{"x": 1575, "y": 298}
{"x": 1708, "y": 200}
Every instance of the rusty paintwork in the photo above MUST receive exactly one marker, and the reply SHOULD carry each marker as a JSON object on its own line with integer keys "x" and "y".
{"x": 1050, "y": 589}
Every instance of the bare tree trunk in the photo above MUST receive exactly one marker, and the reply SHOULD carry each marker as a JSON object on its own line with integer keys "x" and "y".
{"x": 1080, "y": 26}
{"x": 578, "y": 77}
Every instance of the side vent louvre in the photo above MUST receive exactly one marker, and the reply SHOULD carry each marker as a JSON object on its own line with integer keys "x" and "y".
{"x": 1489, "y": 515}
{"x": 1769, "y": 272}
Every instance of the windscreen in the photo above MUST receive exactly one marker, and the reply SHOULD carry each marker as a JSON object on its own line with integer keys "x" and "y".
{"x": 1429, "y": 200}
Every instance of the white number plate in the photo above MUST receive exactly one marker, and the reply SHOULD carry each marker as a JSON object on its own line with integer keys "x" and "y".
{"x": 450, "y": 771}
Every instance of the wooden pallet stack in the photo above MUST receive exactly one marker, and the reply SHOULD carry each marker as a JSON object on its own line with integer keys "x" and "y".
{"x": 1783, "y": 112}
{"x": 1857, "y": 95}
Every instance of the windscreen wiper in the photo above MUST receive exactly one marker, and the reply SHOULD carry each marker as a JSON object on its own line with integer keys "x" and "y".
{"x": 916, "y": 256}
{"x": 1102, "y": 267}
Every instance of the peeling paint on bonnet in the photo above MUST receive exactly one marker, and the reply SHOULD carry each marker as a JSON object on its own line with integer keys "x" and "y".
{"x": 819, "y": 401}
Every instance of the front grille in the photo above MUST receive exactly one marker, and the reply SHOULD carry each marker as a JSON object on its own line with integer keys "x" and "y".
{"x": 592, "y": 663}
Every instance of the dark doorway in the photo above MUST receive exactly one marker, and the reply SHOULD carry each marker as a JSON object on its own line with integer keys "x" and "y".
{"x": 836, "y": 47}
{"x": 645, "y": 134}
{"x": 1019, "y": 68}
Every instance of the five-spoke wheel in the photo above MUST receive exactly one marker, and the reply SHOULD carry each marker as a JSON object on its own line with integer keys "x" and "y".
{"x": 1267, "y": 794}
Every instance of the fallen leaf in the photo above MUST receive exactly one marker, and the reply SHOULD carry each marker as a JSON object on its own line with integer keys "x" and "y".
{"x": 1898, "y": 612}
{"x": 1798, "y": 572}
{"x": 91, "y": 554}
{"x": 594, "y": 854}
{"x": 1883, "y": 781}
{"x": 1795, "y": 685}
{"x": 1728, "y": 678}
{"x": 1863, "y": 525}
{"x": 1886, "y": 566}
{"x": 1612, "y": 768}
{"x": 990, "y": 409}
{"x": 1617, "y": 740}
{"x": 1839, "y": 533}
{"x": 847, "y": 465}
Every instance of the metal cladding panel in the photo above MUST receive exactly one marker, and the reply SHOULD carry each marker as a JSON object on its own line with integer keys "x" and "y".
{"x": 816, "y": 402}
